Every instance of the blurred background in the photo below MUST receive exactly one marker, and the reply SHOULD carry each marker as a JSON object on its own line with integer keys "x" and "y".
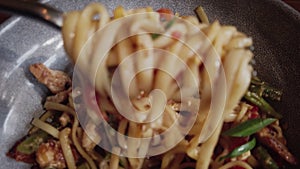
{"x": 293, "y": 3}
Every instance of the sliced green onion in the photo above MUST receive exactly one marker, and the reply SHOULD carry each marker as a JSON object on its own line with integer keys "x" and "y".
{"x": 262, "y": 155}
{"x": 201, "y": 15}
{"x": 168, "y": 25}
{"x": 154, "y": 35}
{"x": 241, "y": 149}
{"x": 262, "y": 104}
{"x": 249, "y": 127}
{"x": 32, "y": 142}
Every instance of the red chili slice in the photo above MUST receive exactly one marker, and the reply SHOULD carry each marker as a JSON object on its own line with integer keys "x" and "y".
{"x": 165, "y": 13}
{"x": 237, "y": 141}
{"x": 176, "y": 34}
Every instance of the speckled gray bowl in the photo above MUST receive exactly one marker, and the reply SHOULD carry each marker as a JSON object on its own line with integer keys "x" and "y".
{"x": 274, "y": 26}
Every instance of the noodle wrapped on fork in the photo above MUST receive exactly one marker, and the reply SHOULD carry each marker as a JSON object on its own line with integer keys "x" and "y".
{"x": 222, "y": 48}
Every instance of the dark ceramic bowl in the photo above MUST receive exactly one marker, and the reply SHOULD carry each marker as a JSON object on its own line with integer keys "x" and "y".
{"x": 274, "y": 27}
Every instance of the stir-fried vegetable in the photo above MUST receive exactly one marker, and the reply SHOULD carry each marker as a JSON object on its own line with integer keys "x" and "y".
{"x": 32, "y": 142}
{"x": 264, "y": 106}
{"x": 249, "y": 127}
{"x": 241, "y": 149}
{"x": 259, "y": 90}
{"x": 263, "y": 89}
{"x": 264, "y": 158}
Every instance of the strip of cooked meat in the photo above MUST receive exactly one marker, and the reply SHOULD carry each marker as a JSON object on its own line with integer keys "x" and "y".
{"x": 269, "y": 138}
{"x": 56, "y": 81}
{"x": 59, "y": 97}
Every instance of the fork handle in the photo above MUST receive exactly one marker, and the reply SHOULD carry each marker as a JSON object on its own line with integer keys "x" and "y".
{"x": 34, "y": 10}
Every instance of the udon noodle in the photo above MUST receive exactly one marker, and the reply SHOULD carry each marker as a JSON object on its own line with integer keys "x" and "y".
{"x": 225, "y": 48}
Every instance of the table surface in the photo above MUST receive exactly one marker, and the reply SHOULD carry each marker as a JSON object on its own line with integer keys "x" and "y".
{"x": 293, "y": 3}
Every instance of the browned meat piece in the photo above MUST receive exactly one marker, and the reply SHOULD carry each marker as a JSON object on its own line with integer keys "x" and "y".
{"x": 269, "y": 138}
{"x": 59, "y": 97}
{"x": 64, "y": 119}
{"x": 56, "y": 81}
{"x": 50, "y": 155}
